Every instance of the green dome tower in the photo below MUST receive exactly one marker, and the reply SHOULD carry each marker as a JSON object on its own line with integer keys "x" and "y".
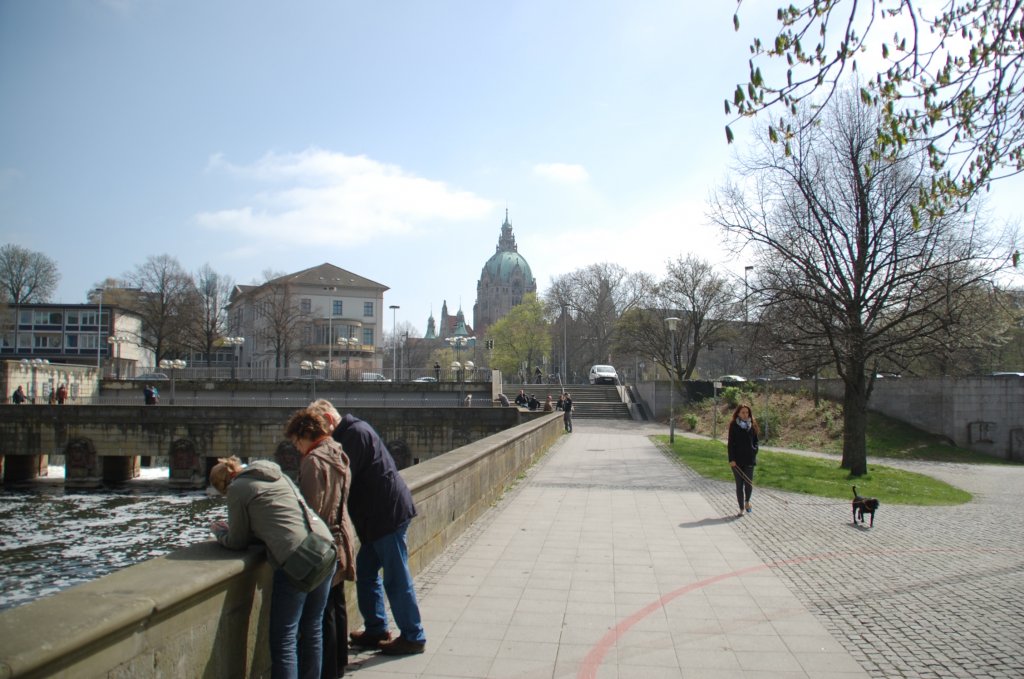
{"x": 505, "y": 278}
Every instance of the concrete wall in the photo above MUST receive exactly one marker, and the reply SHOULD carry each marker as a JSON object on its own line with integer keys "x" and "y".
{"x": 199, "y": 612}
{"x": 983, "y": 414}
{"x": 219, "y": 431}
{"x": 42, "y": 379}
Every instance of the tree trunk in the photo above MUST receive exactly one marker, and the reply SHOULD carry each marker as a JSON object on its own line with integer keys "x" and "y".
{"x": 855, "y": 418}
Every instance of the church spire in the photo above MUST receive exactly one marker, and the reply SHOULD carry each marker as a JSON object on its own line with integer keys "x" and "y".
{"x": 506, "y": 242}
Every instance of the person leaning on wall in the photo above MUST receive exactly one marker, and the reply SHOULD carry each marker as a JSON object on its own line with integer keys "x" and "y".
{"x": 265, "y": 506}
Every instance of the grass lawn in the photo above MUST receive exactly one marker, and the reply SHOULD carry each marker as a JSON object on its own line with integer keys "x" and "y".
{"x": 817, "y": 476}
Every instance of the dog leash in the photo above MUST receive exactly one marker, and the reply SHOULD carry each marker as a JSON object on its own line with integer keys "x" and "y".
{"x": 779, "y": 498}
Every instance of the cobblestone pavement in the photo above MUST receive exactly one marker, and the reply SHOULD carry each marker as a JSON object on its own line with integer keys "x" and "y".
{"x": 928, "y": 592}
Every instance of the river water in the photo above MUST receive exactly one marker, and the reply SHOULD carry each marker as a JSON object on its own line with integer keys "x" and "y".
{"x": 52, "y": 538}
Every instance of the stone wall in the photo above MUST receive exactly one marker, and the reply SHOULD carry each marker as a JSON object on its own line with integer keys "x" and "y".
{"x": 219, "y": 431}
{"x": 983, "y": 414}
{"x": 200, "y": 611}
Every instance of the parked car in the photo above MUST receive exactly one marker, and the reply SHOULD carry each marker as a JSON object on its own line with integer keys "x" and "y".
{"x": 425, "y": 378}
{"x": 151, "y": 377}
{"x": 1005, "y": 374}
{"x": 730, "y": 378}
{"x": 373, "y": 377}
{"x": 603, "y": 374}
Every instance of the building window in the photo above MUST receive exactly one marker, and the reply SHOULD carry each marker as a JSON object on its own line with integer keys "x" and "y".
{"x": 306, "y": 305}
{"x": 336, "y": 307}
{"x": 72, "y": 318}
{"x": 46, "y": 341}
{"x": 368, "y": 336}
{"x": 48, "y": 318}
{"x": 368, "y": 309}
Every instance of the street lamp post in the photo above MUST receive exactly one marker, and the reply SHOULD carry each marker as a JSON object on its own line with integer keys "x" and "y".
{"x": 315, "y": 367}
{"x": 394, "y": 342}
{"x": 116, "y": 341}
{"x": 234, "y": 343}
{"x": 565, "y": 344}
{"x": 99, "y": 335}
{"x": 349, "y": 343}
{"x": 672, "y": 323}
{"x": 172, "y": 365}
{"x": 330, "y": 326}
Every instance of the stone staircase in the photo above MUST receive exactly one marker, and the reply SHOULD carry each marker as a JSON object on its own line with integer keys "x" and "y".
{"x": 597, "y": 401}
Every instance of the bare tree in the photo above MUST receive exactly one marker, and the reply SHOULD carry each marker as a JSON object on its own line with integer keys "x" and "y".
{"x": 284, "y": 322}
{"x": 208, "y": 311}
{"x": 846, "y": 264}
{"x": 595, "y": 297}
{"x": 165, "y": 291}
{"x": 707, "y": 304}
{"x": 26, "y": 277}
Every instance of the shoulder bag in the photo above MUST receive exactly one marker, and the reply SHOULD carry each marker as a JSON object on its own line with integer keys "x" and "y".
{"x": 314, "y": 559}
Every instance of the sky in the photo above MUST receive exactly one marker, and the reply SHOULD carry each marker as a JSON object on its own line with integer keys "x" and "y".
{"x": 388, "y": 138}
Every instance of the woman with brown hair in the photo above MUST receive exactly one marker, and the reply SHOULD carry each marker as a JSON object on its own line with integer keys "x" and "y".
{"x": 743, "y": 433}
{"x": 325, "y": 479}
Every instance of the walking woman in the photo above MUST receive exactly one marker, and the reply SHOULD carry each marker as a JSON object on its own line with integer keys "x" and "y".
{"x": 743, "y": 433}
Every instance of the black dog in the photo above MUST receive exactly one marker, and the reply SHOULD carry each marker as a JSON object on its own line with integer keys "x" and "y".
{"x": 862, "y": 506}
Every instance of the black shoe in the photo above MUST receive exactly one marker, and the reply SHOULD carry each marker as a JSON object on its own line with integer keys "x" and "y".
{"x": 364, "y": 640}
{"x": 402, "y": 646}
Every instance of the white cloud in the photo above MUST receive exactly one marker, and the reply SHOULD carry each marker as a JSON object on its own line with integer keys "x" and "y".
{"x": 639, "y": 240}
{"x": 319, "y": 196}
{"x": 564, "y": 173}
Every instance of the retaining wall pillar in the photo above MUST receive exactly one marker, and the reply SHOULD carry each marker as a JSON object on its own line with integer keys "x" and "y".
{"x": 82, "y": 465}
{"x": 187, "y": 467}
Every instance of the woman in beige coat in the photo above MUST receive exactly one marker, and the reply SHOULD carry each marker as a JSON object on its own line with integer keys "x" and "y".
{"x": 324, "y": 480}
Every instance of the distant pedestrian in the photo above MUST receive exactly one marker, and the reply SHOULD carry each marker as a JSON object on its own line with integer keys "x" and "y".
{"x": 533, "y": 403}
{"x": 743, "y": 434}
{"x": 549, "y": 405}
{"x": 503, "y": 400}
{"x": 148, "y": 395}
{"x": 468, "y": 402}
{"x": 558, "y": 404}
{"x": 567, "y": 412}
{"x": 522, "y": 399}
{"x": 538, "y": 376}
{"x": 62, "y": 394}
{"x": 19, "y": 396}
{"x": 437, "y": 371}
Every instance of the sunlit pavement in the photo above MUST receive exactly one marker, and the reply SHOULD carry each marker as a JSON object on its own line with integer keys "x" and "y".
{"x": 611, "y": 560}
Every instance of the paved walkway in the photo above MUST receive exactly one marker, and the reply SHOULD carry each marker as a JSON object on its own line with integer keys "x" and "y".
{"x": 611, "y": 560}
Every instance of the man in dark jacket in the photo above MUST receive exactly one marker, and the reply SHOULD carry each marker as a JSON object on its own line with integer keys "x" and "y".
{"x": 381, "y": 507}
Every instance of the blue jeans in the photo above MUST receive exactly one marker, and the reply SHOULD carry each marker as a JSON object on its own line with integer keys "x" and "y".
{"x": 296, "y": 618}
{"x": 391, "y": 554}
